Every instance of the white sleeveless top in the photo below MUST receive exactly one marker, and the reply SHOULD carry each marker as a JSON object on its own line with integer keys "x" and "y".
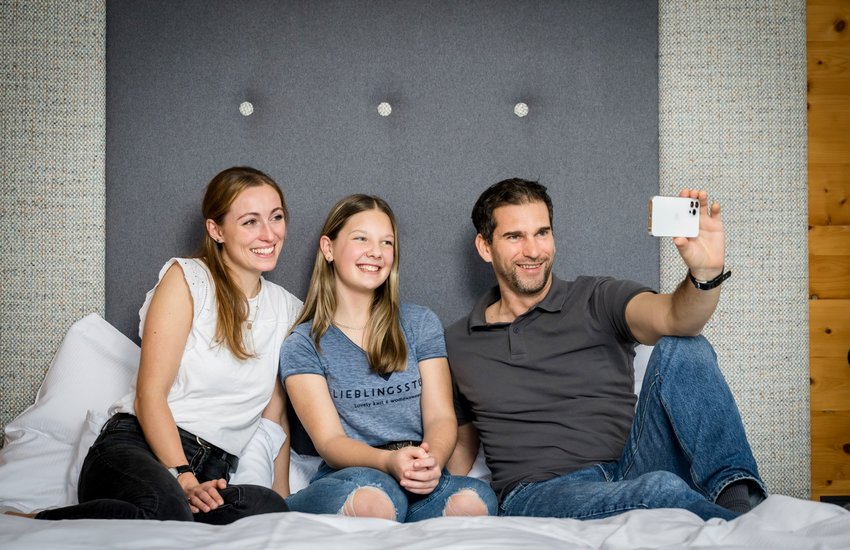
{"x": 215, "y": 395}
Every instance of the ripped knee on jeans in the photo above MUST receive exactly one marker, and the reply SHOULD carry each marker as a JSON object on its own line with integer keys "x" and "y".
{"x": 465, "y": 503}
{"x": 369, "y": 502}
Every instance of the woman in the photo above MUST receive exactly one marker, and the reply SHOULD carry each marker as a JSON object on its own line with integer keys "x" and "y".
{"x": 211, "y": 330}
{"x": 368, "y": 378}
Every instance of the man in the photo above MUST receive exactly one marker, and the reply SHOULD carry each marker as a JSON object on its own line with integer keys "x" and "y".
{"x": 544, "y": 375}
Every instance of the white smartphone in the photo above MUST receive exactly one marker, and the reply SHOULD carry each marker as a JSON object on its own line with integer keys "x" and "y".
{"x": 673, "y": 217}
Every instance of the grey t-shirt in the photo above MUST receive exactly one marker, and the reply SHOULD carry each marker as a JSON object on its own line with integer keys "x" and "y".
{"x": 373, "y": 408}
{"x": 553, "y": 391}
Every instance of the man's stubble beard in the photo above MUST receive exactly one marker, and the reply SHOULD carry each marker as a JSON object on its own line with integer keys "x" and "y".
{"x": 520, "y": 287}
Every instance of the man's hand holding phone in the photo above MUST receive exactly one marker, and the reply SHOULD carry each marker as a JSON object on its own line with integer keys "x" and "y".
{"x": 696, "y": 228}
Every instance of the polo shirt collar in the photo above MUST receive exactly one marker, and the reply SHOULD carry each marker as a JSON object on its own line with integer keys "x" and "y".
{"x": 552, "y": 302}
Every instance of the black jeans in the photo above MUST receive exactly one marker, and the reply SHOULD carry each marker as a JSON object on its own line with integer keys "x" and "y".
{"x": 122, "y": 479}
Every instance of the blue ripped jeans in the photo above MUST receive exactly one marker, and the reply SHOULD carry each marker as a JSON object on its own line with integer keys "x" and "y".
{"x": 687, "y": 443}
{"x": 329, "y": 489}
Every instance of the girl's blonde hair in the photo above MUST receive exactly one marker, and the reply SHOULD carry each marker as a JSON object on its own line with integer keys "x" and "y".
{"x": 385, "y": 347}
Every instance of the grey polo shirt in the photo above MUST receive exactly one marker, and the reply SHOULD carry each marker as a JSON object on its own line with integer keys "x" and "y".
{"x": 553, "y": 391}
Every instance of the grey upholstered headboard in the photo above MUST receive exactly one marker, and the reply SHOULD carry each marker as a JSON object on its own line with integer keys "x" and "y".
{"x": 315, "y": 73}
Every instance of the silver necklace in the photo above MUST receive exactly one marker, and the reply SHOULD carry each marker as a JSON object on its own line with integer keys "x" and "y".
{"x": 349, "y": 327}
{"x": 249, "y": 323}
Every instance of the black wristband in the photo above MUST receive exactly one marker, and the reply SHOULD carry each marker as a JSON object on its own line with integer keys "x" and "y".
{"x": 708, "y": 285}
{"x": 177, "y": 471}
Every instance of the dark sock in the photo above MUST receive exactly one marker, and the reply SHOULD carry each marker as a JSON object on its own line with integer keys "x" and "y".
{"x": 735, "y": 497}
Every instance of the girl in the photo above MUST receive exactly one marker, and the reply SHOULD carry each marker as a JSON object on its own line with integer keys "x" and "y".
{"x": 368, "y": 378}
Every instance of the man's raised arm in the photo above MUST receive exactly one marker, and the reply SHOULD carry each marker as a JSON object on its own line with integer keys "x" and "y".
{"x": 686, "y": 311}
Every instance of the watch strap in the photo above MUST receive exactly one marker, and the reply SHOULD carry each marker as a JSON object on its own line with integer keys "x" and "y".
{"x": 714, "y": 283}
{"x": 177, "y": 471}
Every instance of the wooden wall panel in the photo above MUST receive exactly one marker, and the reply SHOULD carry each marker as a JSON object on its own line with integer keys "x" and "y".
{"x": 824, "y": 20}
{"x": 829, "y": 192}
{"x": 829, "y": 277}
{"x": 829, "y": 240}
{"x": 830, "y": 378}
{"x": 828, "y": 57}
{"x": 830, "y": 453}
{"x": 829, "y": 328}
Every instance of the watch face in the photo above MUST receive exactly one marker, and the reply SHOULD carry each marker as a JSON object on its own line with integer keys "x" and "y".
{"x": 173, "y": 471}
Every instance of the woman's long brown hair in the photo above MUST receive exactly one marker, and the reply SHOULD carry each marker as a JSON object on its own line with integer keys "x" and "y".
{"x": 231, "y": 302}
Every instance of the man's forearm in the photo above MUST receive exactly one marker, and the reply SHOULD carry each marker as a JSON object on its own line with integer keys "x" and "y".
{"x": 691, "y": 308}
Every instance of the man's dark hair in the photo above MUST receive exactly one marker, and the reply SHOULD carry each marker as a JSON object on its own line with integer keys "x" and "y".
{"x": 510, "y": 191}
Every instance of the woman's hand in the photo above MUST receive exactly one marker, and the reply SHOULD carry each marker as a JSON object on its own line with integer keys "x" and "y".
{"x": 415, "y": 469}
{"x": 202, "y": 497}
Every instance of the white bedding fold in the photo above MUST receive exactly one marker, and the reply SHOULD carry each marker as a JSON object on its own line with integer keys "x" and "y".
{"x": 779, "y": 522}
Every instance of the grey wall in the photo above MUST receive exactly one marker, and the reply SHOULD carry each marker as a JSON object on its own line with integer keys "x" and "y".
{"x": 731, "y": 117}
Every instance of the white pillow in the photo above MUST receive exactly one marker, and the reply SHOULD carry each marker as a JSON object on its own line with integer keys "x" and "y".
{"x": 33, "y": 471}
{"x": 302, "y": 468}
{"x": 93, "y": 368}
{"x": 46, "y": 445}
{"x": 256, "y": 465}
{"x": 642, "y": 354}
{"x": 88, "y": 433}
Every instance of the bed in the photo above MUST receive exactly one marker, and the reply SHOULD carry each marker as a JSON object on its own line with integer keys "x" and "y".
{"x": 45, "y": 445}
{"x": 779, "y": 522}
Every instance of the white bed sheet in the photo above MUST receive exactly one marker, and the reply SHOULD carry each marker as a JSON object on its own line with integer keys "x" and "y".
{"x": 779, "y": 522}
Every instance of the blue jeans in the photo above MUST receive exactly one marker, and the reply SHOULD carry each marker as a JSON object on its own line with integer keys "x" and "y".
{"x": 687, "y": 443}
{"x": 122, "y": 479}
{"x": 329, "y": 489}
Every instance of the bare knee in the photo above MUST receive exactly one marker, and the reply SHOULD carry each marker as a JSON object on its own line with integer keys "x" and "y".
{"x": 369, "y": 502}
{"x": 465, "y": 503}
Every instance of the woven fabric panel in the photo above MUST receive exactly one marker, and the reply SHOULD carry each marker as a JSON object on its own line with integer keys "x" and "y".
{"x": 52, "y": 115}
{"x": 732, "y": 119}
